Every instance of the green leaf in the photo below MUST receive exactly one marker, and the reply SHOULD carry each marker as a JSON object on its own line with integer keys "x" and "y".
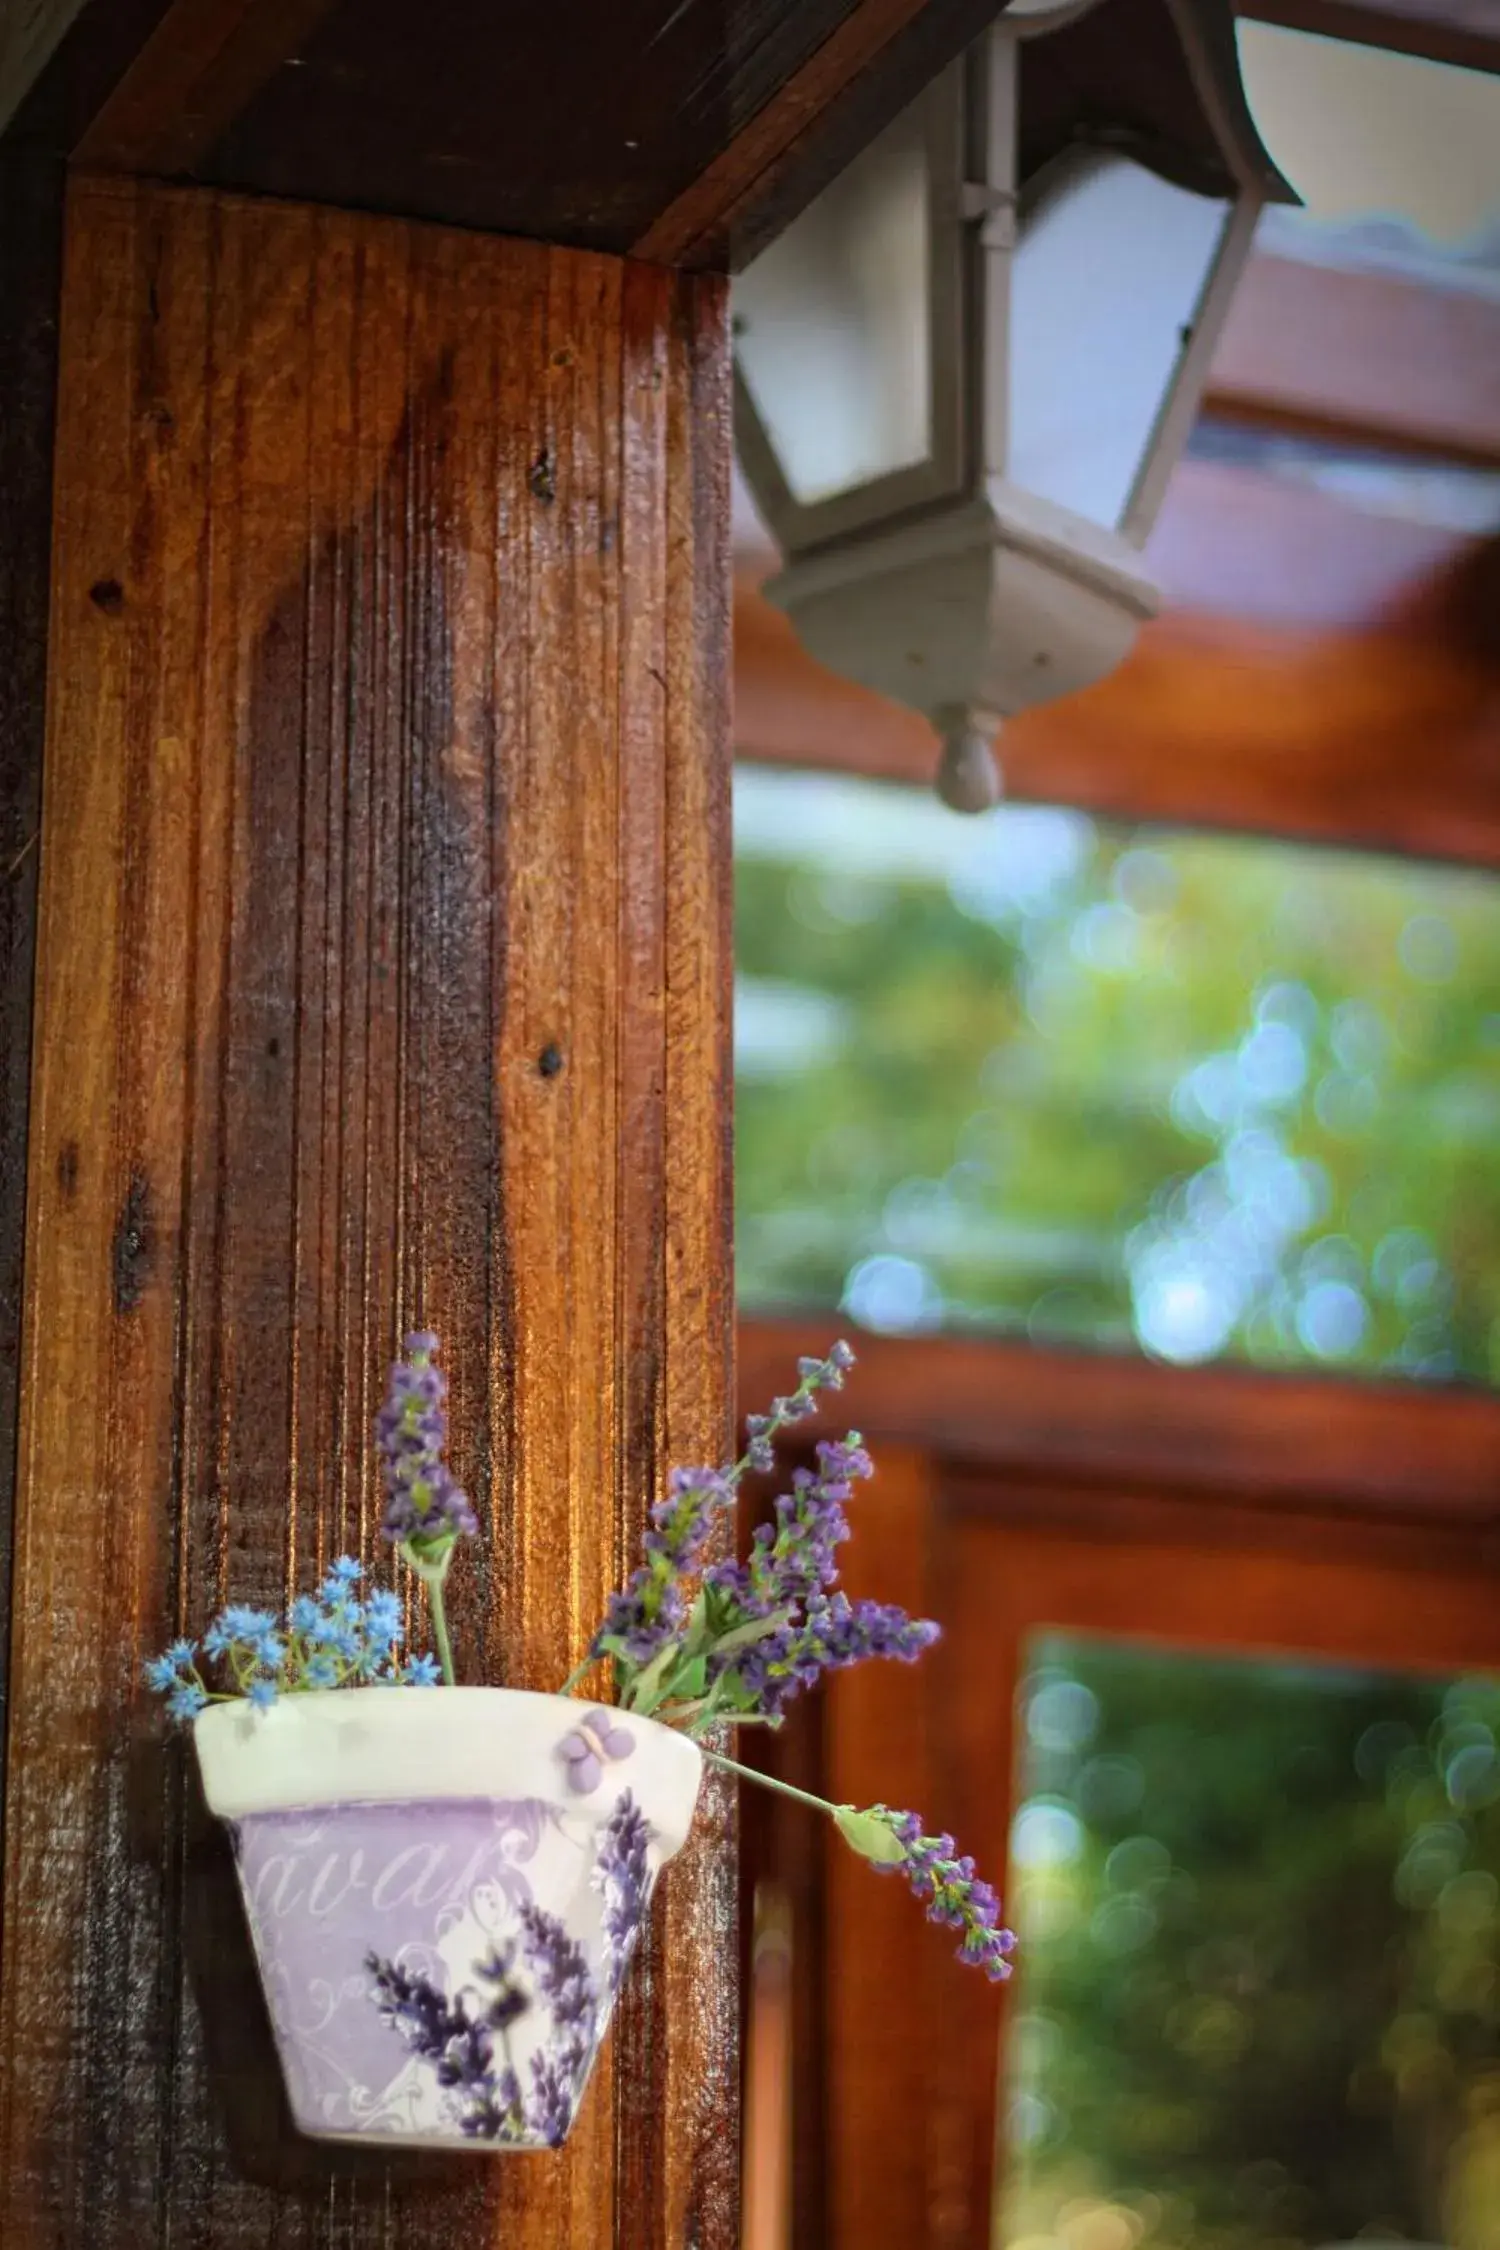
{"x": 871, "y": 1834}
{"x": 754, "y": 1629}
{"x": 649, "y": 1684}
{"x": 691, "y": 1681}
{"x": 699, "y": 1626}
{"x": 429, "y": 1555}
{"x": 718, "y": 1608}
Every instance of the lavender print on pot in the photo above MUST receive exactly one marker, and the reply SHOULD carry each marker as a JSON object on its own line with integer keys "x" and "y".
{"x": 509, "y": 2050}
{"x": 440, "y": 1964}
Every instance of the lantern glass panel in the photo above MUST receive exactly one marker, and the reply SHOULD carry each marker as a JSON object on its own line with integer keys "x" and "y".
{"x": 1107, "y": 278}
{"x": 833, "y": 324}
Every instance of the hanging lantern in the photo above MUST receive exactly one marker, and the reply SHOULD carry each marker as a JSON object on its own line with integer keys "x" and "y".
{"x": 965, "y": 373}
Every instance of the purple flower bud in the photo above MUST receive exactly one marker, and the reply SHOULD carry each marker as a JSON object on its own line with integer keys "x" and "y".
{"x": 954, "y": 1897}
{"x": 423, "y": 1502}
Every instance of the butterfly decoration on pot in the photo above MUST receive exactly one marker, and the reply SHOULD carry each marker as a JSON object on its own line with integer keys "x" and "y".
{"x": 596, "y": 1742}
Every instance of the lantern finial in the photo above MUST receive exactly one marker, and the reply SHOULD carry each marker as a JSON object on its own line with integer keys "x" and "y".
{"x": 968, "y": 777}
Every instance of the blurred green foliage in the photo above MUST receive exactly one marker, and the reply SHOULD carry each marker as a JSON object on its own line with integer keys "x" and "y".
{"x": 1258, "y": 2004}
{"x": 1199, "y": 1094}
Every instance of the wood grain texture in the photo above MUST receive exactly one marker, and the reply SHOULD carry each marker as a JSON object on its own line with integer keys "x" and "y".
{"x": 31, "y": 192}
{"x": 494, "y": 118}
{"x": 819, "y": 118}
{"x": 197, "y": 70}
{"x": 382, "y": 976}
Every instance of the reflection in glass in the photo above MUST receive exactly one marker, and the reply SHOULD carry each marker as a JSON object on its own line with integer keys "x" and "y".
{"x": 1259, "y": 2000}
{"x": 1197, "y": 1095}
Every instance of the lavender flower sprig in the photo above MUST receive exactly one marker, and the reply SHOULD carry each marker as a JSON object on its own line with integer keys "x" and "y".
{"x": 946, "y": 1882}
{"x": 943, "y": 1879}
{"x": 748, "y": 1636}
{"x": 832, "y": 1634}
{"x": 561, "y": 1976}
{"x": 333, "y": 1639}
{"x": 644, "y": 1622}
{"x": 426, "y": 1512}
{"x": 622, "y": 1872}
{"x": 458, "y": 2038}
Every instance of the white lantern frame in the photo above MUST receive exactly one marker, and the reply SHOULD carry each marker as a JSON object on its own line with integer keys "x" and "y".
{"x": 800, "y": 525}
{"x": 945, "y": 582}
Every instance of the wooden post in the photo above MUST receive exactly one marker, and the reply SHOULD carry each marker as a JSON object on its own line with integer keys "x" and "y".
{"x": 382, "y": 976}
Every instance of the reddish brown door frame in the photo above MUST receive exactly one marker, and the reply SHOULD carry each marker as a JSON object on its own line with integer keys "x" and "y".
{"x": 1017, "y": 1490}
{"x": 1191, "y": 1574}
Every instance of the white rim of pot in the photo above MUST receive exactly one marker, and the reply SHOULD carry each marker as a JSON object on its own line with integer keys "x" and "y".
{"x": 392, "y": 1745}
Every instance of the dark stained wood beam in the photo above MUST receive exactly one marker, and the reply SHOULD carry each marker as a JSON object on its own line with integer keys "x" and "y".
{"x": 691, "y": 130}
{"x": 198, "y": 69}
{"x": 50, "y": 93}
{"x": 30, "y": 33}
{"x": 1463, "y": 32}
{"x": 877, "y": 61}
{"x": 31, "y": 203}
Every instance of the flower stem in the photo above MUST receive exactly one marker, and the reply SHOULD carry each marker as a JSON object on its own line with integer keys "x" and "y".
{"x": 432, "y": 1575}
{"x": 769, "y": 1781}
{"x": 440, "y": 1631}
{"x": 578, "y": 1673}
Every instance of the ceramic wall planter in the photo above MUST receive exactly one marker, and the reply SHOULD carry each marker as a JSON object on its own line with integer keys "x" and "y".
{"x": 444, "y": 1888}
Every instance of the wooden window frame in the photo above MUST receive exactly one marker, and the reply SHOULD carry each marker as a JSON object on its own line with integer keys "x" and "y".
{"x": 1383, "y": 1499}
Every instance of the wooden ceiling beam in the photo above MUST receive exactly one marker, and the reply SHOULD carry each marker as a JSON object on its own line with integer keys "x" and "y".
{"x": 1363, "y": 356}
{"x": 1237, "y": 542}
{"x": 1400, "y": 1449}
{"x": 201, "y": 65}
{"x": 815, "y": 125}
{"x": 1464, "y": 32}
{"x": 687, "y": 135}
{"x": 1210, "y": 723}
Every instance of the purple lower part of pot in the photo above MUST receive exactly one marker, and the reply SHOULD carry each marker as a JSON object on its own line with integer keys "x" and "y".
{"x": 436, "y": 1889}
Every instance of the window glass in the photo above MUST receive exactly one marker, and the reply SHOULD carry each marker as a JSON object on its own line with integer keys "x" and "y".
{"x": 1258, "y": 2006}
{"x": 1194, "y": 1095}
{"x": 832, "y": 324}
{"x": 1109, "y": 270}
